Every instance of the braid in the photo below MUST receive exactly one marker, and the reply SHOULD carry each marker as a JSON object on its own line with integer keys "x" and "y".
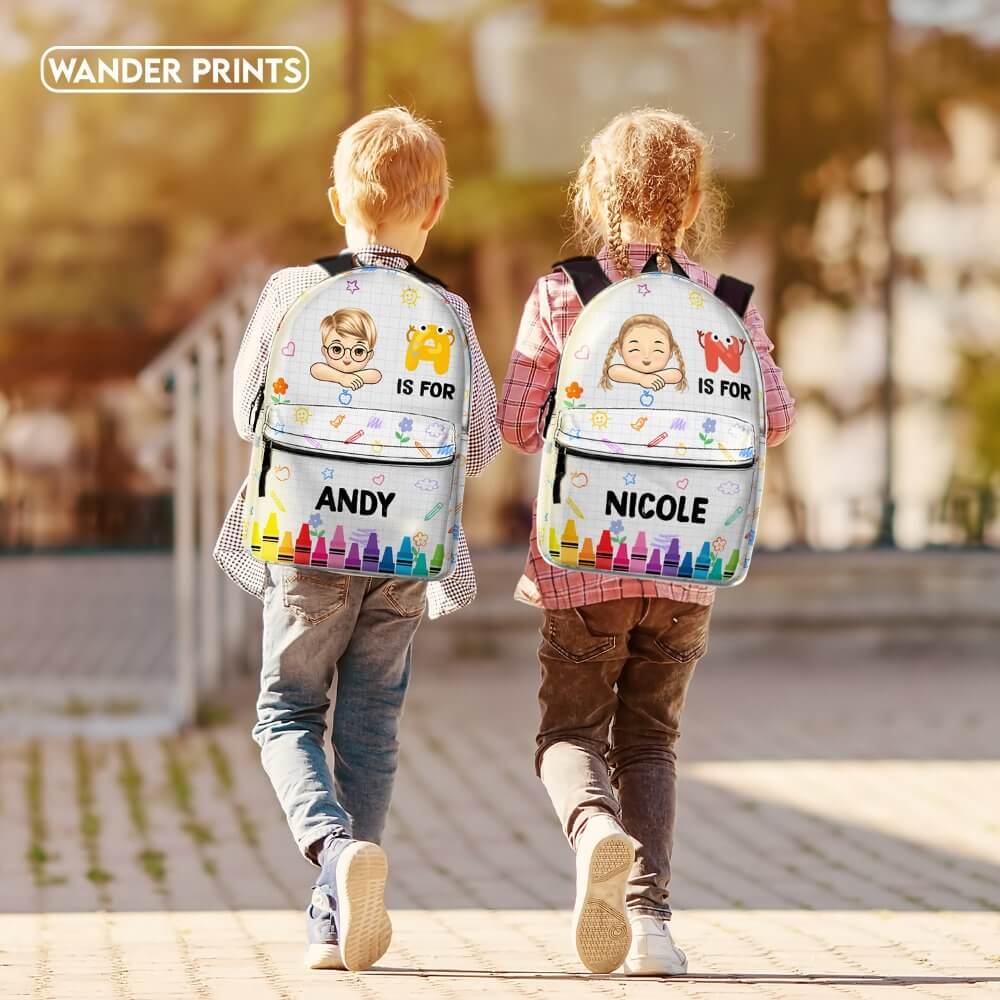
{"x": 615, "y": 242}
{"x": 676, "y": 353}
{"x": 605, "y": 382}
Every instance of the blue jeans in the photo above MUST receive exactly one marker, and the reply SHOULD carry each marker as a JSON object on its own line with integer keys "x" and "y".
{"x": 326, "y": 630}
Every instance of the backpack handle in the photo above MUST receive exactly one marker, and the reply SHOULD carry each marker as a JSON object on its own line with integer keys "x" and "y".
{"x": 347, "y": 261}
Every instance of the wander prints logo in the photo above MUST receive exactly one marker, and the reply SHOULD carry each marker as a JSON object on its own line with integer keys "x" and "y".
{"x": 174, "y": 69}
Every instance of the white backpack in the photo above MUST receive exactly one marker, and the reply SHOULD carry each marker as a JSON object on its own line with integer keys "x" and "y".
{"x": 361, "y": 431}
{"x": 653, "y": 463}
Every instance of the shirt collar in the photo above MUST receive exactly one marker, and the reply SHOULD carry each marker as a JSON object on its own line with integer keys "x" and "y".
{"x": 381, "y": 255}
{"x": 638, "y": 254}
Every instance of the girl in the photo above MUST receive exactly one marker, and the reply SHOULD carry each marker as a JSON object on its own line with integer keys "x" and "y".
{"x": 620, "y": 649}
{"x": 647, "y": 347}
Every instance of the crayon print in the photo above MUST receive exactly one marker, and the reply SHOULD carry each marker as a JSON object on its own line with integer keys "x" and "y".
{"x": 554, "y": 548}
{"x": 404, "y": 559}
{"x": 685, "y": 570}
{"x": 269, "y": 550}
{"x": 286, "y": 550}
{"x": 715, "y": 573}
{"x": 727, "y": 454}
{"x": 734, "y": 561}
{"x": 587, "y": 560}
{"x": 319, "y": 552}
{"x": 613, "y": 446}
{"x": 732, "y": 517}
{"x": 672, "y": 559}
{"x": 337, "y": 549}
{"x": 657, "y": 440}
{"x": 386, "y": 564}
{"x": 420, "y": 566}
{"x": 573, "y": 507}
{"x": 277, "y": 501}
{"x": 303, "y": 546}
{"x": 434, "y": 511}
{"x": 637, "y": 564}
{"x": 255, "y": 539}
{"x": 437, "y": 560}
{"x": 570, "y": 544}
{"x": 703, "y": 562}
{"x": 356, "y": 436}
{"x": 423, "y": 451}
{"x": 653, "y": 566}
{"x": 604, "y": 550}
{"x": 621, "y": 559}
{"x": 369, "y": 561}
{"x": 312, "y": 442}
{"x": 353, "y": 560}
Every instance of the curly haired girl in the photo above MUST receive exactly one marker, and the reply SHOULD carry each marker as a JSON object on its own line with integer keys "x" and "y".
{"x": 647, "y": 347}
{"x": 617, "y": 655}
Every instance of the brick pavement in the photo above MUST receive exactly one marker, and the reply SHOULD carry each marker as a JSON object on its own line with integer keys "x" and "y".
{"x": 839, "y": 836}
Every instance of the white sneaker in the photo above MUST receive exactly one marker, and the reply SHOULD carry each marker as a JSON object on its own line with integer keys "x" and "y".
{"x": 653, "y": 952}
{"x": 604, "y": 856}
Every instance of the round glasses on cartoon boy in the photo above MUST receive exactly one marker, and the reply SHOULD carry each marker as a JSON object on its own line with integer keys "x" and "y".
{"x": 349, "y": 337}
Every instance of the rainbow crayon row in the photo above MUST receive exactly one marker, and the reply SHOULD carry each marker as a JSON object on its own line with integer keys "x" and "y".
{"x": 570, "y": 550}
{"x": 273, "y": 545}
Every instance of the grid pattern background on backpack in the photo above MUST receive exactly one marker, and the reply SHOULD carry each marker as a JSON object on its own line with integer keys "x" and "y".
{"x": 624, "y": 486}
{"x": 363, "y": 479}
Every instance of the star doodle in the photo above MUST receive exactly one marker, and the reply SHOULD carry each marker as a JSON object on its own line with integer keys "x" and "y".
{"x": 630, "y": 479}
{"x": 353, "y": 285}
{"x": 642, "y": 288}
{"x": 328, "y": 473}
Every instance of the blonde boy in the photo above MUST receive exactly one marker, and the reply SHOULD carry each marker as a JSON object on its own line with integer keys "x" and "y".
{"x": 390, "y": 185}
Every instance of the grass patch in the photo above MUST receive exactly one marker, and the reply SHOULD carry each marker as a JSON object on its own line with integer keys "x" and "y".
{"x": 38, "y": 855}
{"x": 90, "y": 822}
{"x": 130, "y": 782}
{"x": 153, "y": 863}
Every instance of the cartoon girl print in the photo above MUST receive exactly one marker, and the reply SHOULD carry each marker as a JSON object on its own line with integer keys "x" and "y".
{"x": 647, "y": 347}
{"x": 349, "y": 337}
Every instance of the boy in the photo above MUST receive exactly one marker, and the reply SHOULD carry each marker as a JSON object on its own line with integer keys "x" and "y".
{"x": 390, "y": 183}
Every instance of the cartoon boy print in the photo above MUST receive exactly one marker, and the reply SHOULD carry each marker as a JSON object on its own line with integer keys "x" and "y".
{"x": 349, "y": 337}
{"x": 647, "y": 347}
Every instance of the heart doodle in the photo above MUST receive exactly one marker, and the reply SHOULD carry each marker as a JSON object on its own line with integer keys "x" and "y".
{"x": 282, "y": 473}
{"x": 582, "y": 353}
{"x": 682, "y": 484}
{"x": 289, "y": 349}
{"x": 379, "y": 479}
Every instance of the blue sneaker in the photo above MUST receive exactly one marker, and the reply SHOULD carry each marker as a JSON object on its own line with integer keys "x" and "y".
{"x": 346, "y": 923}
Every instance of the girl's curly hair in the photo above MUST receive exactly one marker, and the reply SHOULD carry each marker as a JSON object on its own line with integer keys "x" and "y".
{"x": 643, "y": 166}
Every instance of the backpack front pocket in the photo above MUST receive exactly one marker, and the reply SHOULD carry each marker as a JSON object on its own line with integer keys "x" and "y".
{"x": 356, "y": 491}
{"x": 662, "y": 493}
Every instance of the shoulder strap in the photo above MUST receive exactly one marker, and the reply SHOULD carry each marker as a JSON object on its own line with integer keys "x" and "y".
{"x": 587, "y": 275}
{"x": 735, "y": 293}
{"x": 653, "y": 265}
{"x": 341, "y": 262}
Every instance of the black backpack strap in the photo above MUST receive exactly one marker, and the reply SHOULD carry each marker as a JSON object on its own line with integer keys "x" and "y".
{"x": 587, "y": 275}
{"x": 341, "y": 262}
{"x": 652, "y": 265}
{"x": 417, "y": 272}
{"x": 735, "y": 293}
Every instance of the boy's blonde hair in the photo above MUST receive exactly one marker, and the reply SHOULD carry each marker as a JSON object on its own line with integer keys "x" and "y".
{"x": 350, "y": 322}
{"x": 389, "y": 163}
{"x": 643, "y": 166}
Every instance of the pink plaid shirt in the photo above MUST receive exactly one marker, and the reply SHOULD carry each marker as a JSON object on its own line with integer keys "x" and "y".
{"x": 548, "y": 317}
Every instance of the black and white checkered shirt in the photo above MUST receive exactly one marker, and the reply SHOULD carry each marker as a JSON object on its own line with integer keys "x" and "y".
{"x": 281, "y": 290}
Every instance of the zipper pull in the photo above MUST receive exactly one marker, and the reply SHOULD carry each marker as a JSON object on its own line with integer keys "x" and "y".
{"x": 559, "y": 473}
{"x": 265, "y": 468}
{"x": 258, "y": 404}
{"x": 547, "y": 409}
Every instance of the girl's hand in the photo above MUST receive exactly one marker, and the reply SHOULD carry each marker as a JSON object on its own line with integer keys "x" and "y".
{"x": 653, "y": 381}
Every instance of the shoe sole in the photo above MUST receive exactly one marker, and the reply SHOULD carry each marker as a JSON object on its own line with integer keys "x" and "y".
{"x": 652, "y": 967}
{"x": 365, "y": 928}
{"x": 601, "y": 929}
{"x": 324, "y": 956}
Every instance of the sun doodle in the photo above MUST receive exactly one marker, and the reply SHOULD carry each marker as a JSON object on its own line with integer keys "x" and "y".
{"x": 599, "y": 419}
{"x": 696, "y": 299}
{"x": 301, "y": 414}
{"x": 410, "y": 296}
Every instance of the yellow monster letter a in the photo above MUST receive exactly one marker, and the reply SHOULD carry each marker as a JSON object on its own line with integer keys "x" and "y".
{"x": 429, "y": 343}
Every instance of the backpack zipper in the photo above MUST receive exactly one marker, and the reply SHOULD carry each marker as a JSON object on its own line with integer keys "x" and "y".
{"x": 563, "y": 450}
{"x": 269, "y": 446}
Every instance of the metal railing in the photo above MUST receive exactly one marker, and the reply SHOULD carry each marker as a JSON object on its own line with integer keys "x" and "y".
{"x": 216, "y": 624}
